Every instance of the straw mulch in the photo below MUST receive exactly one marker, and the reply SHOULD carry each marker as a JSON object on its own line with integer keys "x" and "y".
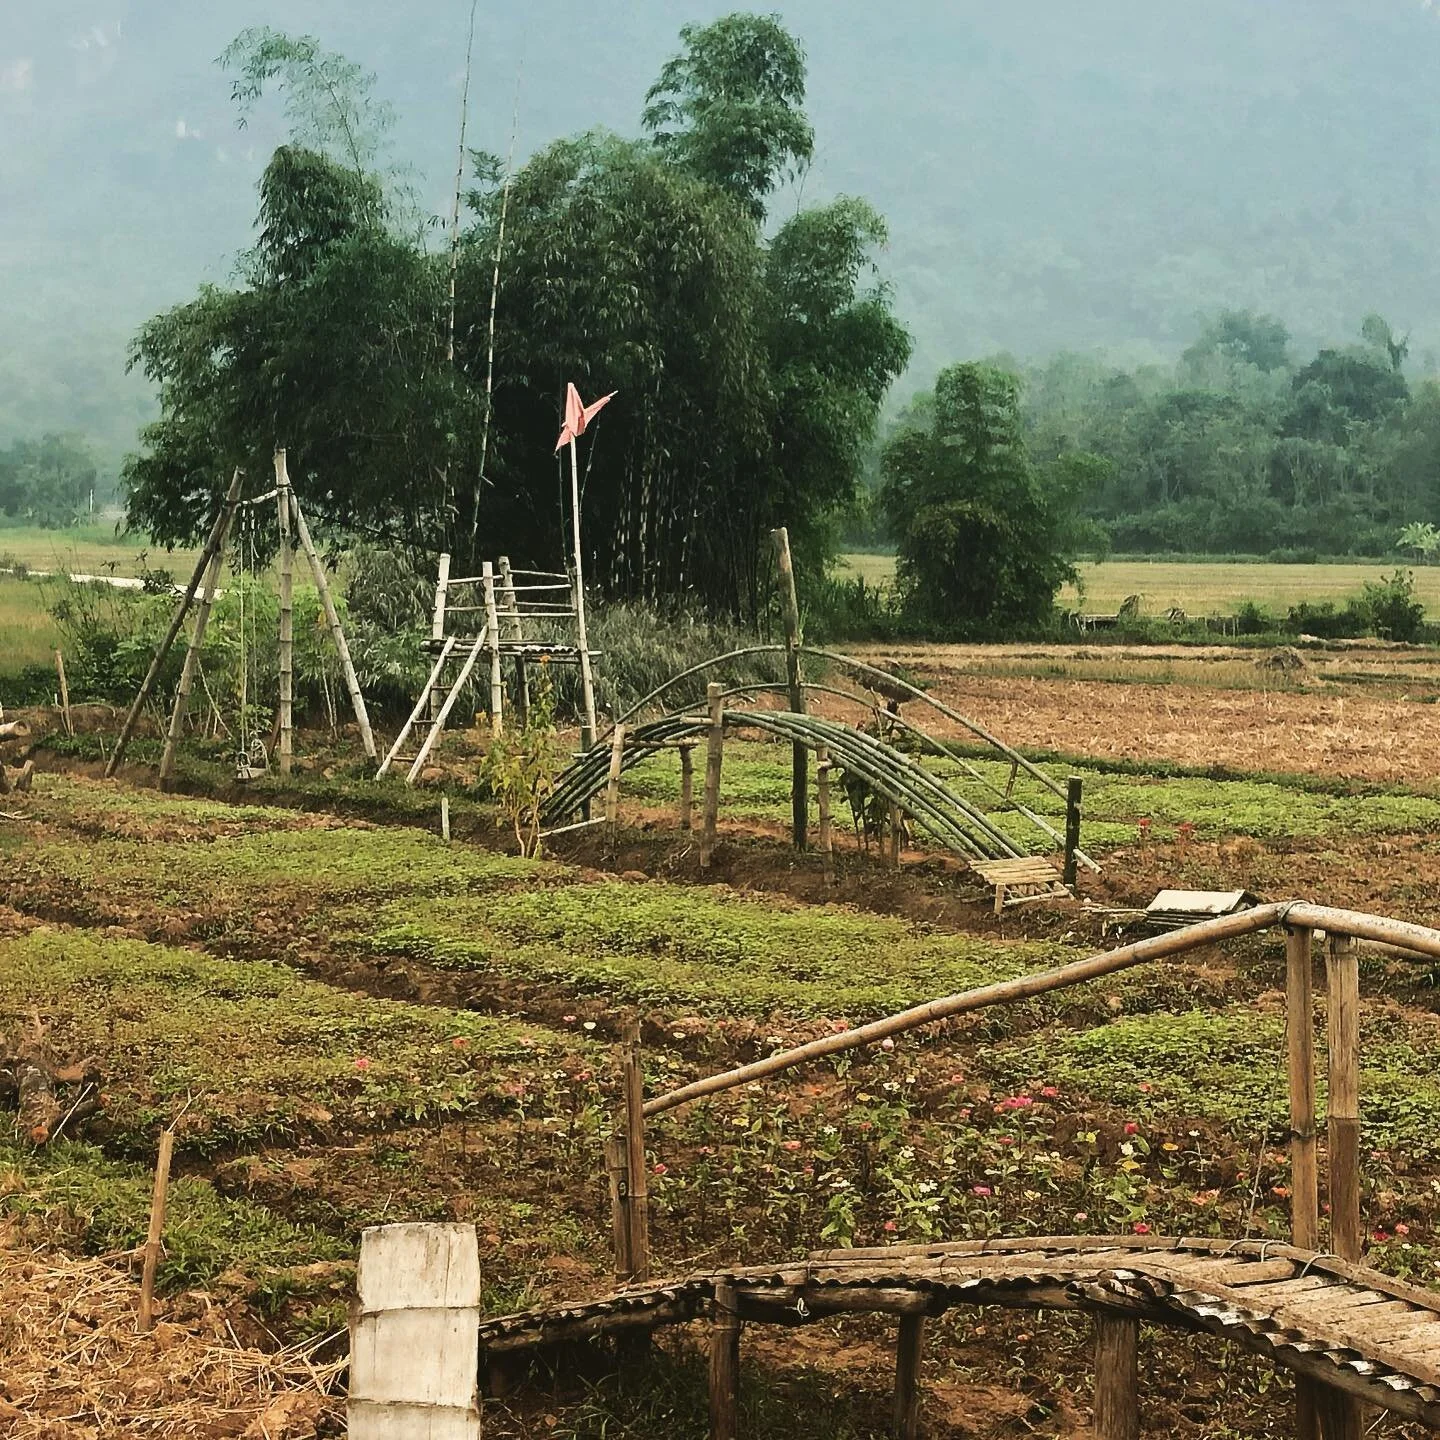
{"x": 72, "y": 1365}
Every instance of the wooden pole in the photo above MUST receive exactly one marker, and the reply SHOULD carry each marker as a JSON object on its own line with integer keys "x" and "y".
{"x": 908, "y": 1354}
{"x": 714, "y": 753}
{"x": 1117, "y": 1377}
{"x": 492, "y": 629}
{"x": 725, "y": 1363}
{"x": 192, "y": 662}
{"x": 445, "y": 817}
{"x": 687, "y": 784}
{"x": 212, "y": 544}
{"x": 617, "y": 1176}
{"x": 827, "y": 840}
{"x": 157, "y": 1229}
{"x": 437, "y": 629}
{"x": 516, "y": 633}
{"x": 1343, "y": 1027}
{"x": 612, "y": 782}
{"x": 892, "y": 837}
{"x": 1340, "y": 1414}
{"x": 1304, "y": 1191}
{"x": 1072, "y": 828}
{"x": 287, "y": 616}
{"x": 337, "y": 631}
{"x": 587, "y": 680}
{"x": 799, "y": 755}
{"x": 64, "y": 694}
{"x": 638, "y": 1181}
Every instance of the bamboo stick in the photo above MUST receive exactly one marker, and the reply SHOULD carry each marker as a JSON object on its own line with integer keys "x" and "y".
{"x": 444, "y": 714}
{"x": 687, "y": 784}
{"x": 612, "y": 783}
{"x": 827, "y": 840}
{"x": 337, "y": 631}
{"x": 212, "y": 544}
{"x": 1343, "y": 1027}
{"x": 192, "y": 661}
{"x": 420, "y": 704}
{"x": 64, "y": 694}
{"x": 638, "y": 1187}
{"x": 156, "y": 1230}
{"x": 437, "y": 626}
{"x": 724, "y": 1363}
{"x": 619, "y": 1187}
{"x": 492, "y": 625}
{"x": 587, "y": 680}
{"x": 1117, "y": 1377}
{"x": 714, "y": 755}
{"x": 1157, "y": 947}
{"x": 1072, "y": 829}
{"x": 287, "y": 616}
{"x": 445, "y": 817}
{"x": 1300, "y": 1046}
{"x": 799, "y": 755}
{"x": 517, "y": 634}
{"x": 908, "y": 1354}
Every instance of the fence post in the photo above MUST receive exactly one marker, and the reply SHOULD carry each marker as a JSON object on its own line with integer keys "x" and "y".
{"x": 1117, "y": 1377}
{"x": 1072, "y": 828}
{"x": 908, "y": 1354}
{"x": 724, "y": 1363}
{"x": 1304, "y": 1191}
{"x": 687, "y": 783}
{"x": 612, "y": 785}
{"x": 800, "y": 759}
{"x": 638, "y": 1199}
{"x": 616, "y": 1174}
{"x": 414, "y": 1338}
{"x": 714, "y": 753}
{"x": 822, "y": 786}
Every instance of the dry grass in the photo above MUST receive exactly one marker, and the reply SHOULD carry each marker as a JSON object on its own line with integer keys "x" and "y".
{"x": 28, "y": 636}
{"x": 1200, "y": 587}
{"x": 74, "y": 1365}
{"x": 89, "y": 550}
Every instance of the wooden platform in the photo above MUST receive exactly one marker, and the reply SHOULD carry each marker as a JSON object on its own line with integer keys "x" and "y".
{"x": 1022, "y": 881}
{"x": 1344, "y": 1326}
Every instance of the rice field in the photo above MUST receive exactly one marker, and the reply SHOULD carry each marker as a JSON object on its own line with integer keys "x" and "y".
{"x": 1201, "y": 587}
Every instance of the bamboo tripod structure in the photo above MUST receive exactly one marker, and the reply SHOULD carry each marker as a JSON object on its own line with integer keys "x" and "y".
{"x": 205, "y": 580}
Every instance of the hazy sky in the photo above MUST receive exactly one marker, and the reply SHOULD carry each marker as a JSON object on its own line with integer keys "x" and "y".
{"x": 1056, "y": 174}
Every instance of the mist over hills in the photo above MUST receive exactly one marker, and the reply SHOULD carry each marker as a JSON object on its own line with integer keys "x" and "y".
{"x": 1054, "y": 176}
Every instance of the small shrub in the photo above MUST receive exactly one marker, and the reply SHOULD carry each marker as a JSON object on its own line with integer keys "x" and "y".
{"x": 1393, "y": 610}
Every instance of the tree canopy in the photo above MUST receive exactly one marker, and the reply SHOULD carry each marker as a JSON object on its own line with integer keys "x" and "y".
{"x": 750, "y": 369}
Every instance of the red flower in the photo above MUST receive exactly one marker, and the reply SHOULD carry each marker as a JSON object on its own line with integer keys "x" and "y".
{"x": 1048, "y": 1092}
{"x": 890, "y": 1227}
{"x": 661, "y": 1169}
{"x": 361, "y": 1063}
{"x": 1140, "y": 1228}
{"x": 460, "y": 1042}
{"x": 789, "y": 1144}
{"x": 1402, "y": 1229}
{"x": 981, "y": 1190}
{"x": 1381, "y": 1237}
{"x": 1131, "y": 1128}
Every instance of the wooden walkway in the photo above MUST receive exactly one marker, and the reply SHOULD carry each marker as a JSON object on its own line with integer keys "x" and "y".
{"x": 1348, "y": 1329}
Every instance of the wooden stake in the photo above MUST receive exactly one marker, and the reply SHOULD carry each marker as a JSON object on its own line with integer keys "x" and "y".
{"x": 1072, "y": 828}
{"x": 799, "y": 756}
{"x": 908, "y": 1354}
{"x": 714, "y": 753}
{"x": 617, "y": 1175}
{"x": 287, "y": 616}
{"x": 64, "y": 694}
{"x": 687, "y": 784}
{"x": 892, "y": 846}
{"x": 639, "y": 1188}
{"x": 1343, "y": 1027}
{"x": 1300, "y": 1047}
{"x": 1340, "y": 1414}
{"x": 445, "y": 817}
{"x": 337, "y": 631}
{"x": 725, "y": 1363}
{"x": 492, "y": 630}
{"x": 1117, "y": 1377}
{"x": 157, "y": 1229}
{"x": 437, "y": 629}
{"x": 212, "y": 544}
{"x": 192, "y": 664}
{"x": 587, "y": 680}
{"x": 612, "y": 782}
{"x": 515, "y": 632}
{"x": 827, "y": 842}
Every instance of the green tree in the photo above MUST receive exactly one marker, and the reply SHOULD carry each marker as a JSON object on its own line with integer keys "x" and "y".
{"x": 47, "y": 482}
{"x": 1243, "y": 336}
{"x": 728, "y": 107}
{"x": 979, "y": 543}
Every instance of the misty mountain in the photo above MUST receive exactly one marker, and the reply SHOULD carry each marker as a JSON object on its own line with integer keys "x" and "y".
{"x": 1055, "y": 176}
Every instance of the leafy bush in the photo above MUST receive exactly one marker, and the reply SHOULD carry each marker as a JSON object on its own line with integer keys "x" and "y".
{"x": 1394, "y": 612}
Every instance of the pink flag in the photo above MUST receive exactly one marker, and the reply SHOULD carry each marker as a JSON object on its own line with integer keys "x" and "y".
{"x": 578, "y": 416}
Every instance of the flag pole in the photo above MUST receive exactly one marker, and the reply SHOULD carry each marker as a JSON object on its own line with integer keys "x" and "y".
{"x": 587, "y": 682}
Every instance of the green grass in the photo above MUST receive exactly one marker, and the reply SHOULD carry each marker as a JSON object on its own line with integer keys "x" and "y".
{"x": 1200, "y": 587}
{"x": 88, "y": 550}
{"x": 251, "y": 1051}
{"x": 28, "y": 636}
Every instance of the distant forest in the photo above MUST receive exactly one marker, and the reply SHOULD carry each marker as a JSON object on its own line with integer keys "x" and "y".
{"x": 1239, "y": 447}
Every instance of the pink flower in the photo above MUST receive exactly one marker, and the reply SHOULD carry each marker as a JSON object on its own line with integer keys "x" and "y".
{"x": 460, "y": 1042}
{"x": 790, "y": 1145}
{"x": 890, "y": 1227}
{"x": 838, "y": 1027}
{"x": 1402, "y": 1229}
{"x": 887, "y": 1043}
{"x": 361, "y": 1063}
{"x": 981, "y": 1190}
{"x": 1140, "y": 1228}
{"x": 1131, "y": 1128}
{"x": 1007, "y": 1139}
{"x": 1081, "y": 1215}
{"x": 1143, "y": 1087}
{"x": 956, "y": 1080}
{"x": 568, "y": 1019}
{"x": 1048, "y": 1092}
{"x": 705, "y": 1150}
{"x": 661, "y": 1169}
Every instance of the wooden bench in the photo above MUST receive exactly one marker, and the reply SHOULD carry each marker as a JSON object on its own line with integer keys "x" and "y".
{"x": 1019, "y": 882}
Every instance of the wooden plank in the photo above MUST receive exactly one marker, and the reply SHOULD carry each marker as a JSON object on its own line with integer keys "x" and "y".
{"x": 431, "y": 1266}
{"x": 724, "y": 1364}
{"x": 1235, "y": 1273}
{"x": 1117, "y": 1378}
{"x": 1272, "y": 1293}
{"x": 1343, "y": 1026}
{"x": 909, "y": 1352}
